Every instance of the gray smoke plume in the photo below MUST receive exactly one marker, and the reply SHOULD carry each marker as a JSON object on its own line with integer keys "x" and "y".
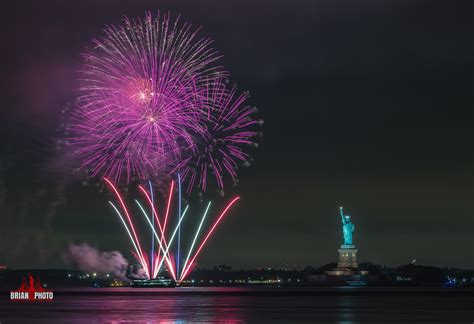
{"x": 138, "y": 274}
{"x": 89, "y": 259}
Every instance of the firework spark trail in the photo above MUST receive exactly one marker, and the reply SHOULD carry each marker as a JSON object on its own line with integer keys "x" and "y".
{"x": 154, "y": 261}
{"x": 186, "y": 270}
{"x": 128, "y": 231}
{"x": 140, "y": 253}
{"x": 164, "y": 245}
{"x": 196, "y": 235}
{"x": 170, "y": 196}
{"x": 152, "y": 253}
{"x": 155, "y": 216}
{"x": 162, "y": 228}
{"x": 172, "y": 236}
{"x": 158, "y": 238}
{"x": 162, "y": 239}
{"x": 178, "y": 257}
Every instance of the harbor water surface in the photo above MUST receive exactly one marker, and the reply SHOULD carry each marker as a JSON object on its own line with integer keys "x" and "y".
{"x": 262, "y": 305}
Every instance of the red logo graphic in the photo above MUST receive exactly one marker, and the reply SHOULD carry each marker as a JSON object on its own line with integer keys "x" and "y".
{"x": 32, "y": 291}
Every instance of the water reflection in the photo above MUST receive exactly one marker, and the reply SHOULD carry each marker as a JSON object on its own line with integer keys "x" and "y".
{"x": 167, "y": 308}
{"x": 346, "y": 309}
{"x": 237, "y": 305}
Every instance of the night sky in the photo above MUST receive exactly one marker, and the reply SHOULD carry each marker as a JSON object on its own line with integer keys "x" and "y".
{"x": 367, "y": 104}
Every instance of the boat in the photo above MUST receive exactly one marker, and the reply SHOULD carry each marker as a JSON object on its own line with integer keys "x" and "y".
{"x": 159, "y": 282}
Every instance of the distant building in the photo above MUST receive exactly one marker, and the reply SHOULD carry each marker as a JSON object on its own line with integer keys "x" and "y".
{"x": 223, "y": 268}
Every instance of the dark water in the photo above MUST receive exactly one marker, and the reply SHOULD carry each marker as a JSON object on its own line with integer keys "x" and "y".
{"x": 262, "y": 305}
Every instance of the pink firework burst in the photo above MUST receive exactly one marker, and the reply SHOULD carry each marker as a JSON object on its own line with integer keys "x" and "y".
{"x": 141, "y": 97}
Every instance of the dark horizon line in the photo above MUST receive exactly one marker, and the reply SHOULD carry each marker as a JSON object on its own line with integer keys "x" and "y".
{"x": 251, "y": 269}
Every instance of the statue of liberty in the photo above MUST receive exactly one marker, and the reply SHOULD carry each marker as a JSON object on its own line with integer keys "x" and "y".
{"x": 347, "y": 227}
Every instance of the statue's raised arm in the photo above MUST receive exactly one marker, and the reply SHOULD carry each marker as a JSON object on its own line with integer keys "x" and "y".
{"x": 342, "y": 214}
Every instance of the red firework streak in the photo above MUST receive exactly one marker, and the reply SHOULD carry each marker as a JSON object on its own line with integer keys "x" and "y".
{"x": 163, "y": 241}
{"x": 141, "y": 256}
{"x": 193, "y": 259}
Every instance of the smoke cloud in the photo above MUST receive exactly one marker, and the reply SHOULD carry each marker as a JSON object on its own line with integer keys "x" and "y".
{"x": 138, "y": 274}
{"x": 89, "y": 259}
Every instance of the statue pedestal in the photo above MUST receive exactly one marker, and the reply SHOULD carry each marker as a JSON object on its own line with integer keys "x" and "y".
{"x": 347, "y": 263}
{"x": 347, "y": 257}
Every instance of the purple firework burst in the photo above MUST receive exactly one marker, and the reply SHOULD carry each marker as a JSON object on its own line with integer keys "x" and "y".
{"x": 153, "y": 102}
{"x": 231, "y": 130}
{"x": 141, "y": 97}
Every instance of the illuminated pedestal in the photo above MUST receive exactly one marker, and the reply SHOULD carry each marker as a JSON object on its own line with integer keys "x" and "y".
{"x": 347, "y": 257}
{"x": 347, "y": 263}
